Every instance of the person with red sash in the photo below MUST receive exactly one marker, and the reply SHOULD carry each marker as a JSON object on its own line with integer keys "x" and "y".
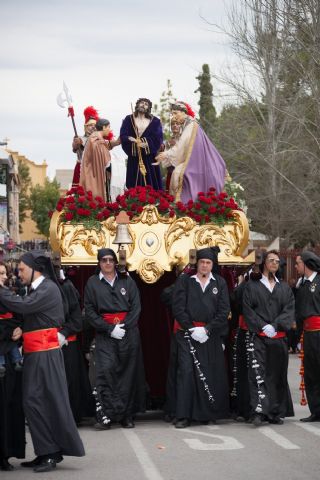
{"x": 12, "y": 422}
{"x": 308, "y": 316}
{"x": 200, "y": 307}
{"x": 112, "y": 307}
{"x": 45, "y": 393}
{"x": 268, "y": 309}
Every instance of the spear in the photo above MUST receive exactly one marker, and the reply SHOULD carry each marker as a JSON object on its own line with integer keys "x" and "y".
{"x": 64, "y": 98}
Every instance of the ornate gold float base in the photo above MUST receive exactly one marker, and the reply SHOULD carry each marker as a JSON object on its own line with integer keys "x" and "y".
{"x": 159, "y": 244}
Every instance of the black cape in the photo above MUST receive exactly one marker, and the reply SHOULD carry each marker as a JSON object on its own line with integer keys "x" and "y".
{"x": 45, "y": 393}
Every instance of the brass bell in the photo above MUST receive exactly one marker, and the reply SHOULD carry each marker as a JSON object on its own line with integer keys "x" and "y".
{"x": 122, "y": 235}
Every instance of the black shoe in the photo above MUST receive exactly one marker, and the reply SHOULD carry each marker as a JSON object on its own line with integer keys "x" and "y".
{"x": 33, "y": 463}
{"x": 275, "y": 421}
{"x": 313, "y": 418}
{"x": 46, "y": 465}
{"x": 5, "y": 465}
{"x": 102, "y": 426}
{"x": 182, "y": 423}
{"x": 127, "y": 423}
{"x": 258, "y": 420}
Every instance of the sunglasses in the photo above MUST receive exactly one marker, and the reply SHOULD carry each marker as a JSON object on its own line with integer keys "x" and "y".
{"x": 273, "y": 260}
{"x": 107, "y": 260}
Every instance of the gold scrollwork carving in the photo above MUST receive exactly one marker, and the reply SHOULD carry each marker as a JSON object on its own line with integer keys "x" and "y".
{"x": 150, "y": 216}
{"x": 150, "y": 271}
{"x": 90, "y": 240}
{"x": 179, "y": 228}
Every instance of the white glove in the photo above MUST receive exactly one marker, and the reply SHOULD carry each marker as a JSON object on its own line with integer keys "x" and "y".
{"x": 199, "y": 334}
{"x": 118, "y": 332}
{"x": 269, "y": 331}
{"x": 62, "y": 340}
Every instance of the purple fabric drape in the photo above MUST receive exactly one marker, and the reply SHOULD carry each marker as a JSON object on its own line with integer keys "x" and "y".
{"x": 206, "y": 168}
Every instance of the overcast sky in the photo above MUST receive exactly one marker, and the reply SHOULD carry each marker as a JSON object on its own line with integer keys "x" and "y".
{"x": 108, "y": 52}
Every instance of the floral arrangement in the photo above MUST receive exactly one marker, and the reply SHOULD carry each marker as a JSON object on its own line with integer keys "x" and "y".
{"x": 79, "y": 206}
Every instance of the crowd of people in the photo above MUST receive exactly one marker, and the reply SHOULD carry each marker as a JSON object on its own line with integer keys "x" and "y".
{"x": 50, "y": 389}
{"x": 44, "y": 377}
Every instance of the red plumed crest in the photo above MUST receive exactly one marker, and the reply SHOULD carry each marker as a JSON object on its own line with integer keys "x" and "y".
{"x": 90, "y": 112}
{"x": 190, "y": 112}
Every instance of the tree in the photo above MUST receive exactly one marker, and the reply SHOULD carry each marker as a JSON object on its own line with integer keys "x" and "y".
{"x": 270, "y": 134}
{"x": 42, "y": 201}
{"x": 163, "y": 109}
{"x": 25, "y": 182}
{"x": 207, "y": 111}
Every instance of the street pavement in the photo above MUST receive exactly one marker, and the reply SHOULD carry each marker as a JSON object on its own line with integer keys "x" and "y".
{"x": 155, "y": 450}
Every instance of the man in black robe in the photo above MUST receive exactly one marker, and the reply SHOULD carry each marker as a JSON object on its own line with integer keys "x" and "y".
{"x": 112, "y": 307}
{"x": 268, "y": 309}
{"x": 80, "y": 394}
{"x": 45, "y": 393}
{"x": 200, "y": 307}
{"x": 308, "y": 316}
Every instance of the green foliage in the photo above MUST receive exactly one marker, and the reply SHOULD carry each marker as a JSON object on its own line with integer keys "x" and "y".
{"x": 207, "y": 111}
{"x": 42, "y": 201}
{"x": 25, "y": 183}
{"x": 163, "y": 109}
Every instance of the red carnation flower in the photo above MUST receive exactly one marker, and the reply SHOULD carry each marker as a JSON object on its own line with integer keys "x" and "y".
{"x": 69, "y": 199}
{"x": 68, "y": 216}
{"x": 93, "y": 205}
{"x": 72, "y": 207}
{"x": 59, "y": 207}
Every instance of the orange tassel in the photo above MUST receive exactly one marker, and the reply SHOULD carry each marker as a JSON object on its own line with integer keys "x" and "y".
{"x": 303, "y": 400}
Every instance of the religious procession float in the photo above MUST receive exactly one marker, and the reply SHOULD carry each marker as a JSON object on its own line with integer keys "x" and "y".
{"x": 154, "y": 230}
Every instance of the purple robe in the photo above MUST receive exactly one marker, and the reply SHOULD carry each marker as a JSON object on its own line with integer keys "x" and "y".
{"x": 153, "y": 136}
{"x": 203, "y": 167}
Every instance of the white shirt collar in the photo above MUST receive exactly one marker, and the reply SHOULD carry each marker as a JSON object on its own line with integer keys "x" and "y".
{"x": 35, "y": 284}
{"x": 312, "y": 277}
{"x": 111, "y": 282}
{"x": 203, "y": 286}
{"x": 266, "y": 282}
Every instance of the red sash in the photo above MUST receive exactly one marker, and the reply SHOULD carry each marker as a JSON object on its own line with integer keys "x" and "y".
{"x": 5, "y": 315}
{"x": 72, "y": 338}
{"x": 177, "y": 326}
{"x": 278, "y": 335}
{"x": 311, "y": 324}
{"x": 242, "y": 323}
{"x": 114, "y": 318}
{"x": 40, "y": 340}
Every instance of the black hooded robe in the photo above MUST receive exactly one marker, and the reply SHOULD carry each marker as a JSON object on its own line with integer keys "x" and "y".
{"x": 188, "y": 398}
{"x": 261, "y": 307}
{"x": 120, "y": 379}
{"x": 308, "y": 305}
{"x": 80, "y": 394}
{"x": 45, "y": 392}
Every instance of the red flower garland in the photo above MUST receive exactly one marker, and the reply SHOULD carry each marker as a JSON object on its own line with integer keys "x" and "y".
{"x": 81, "y": 207}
